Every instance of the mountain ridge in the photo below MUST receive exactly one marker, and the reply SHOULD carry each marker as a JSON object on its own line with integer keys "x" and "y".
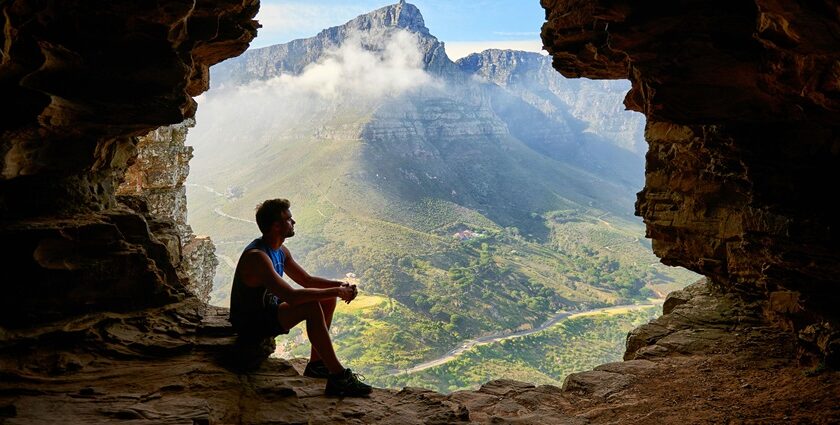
{"x": 292, "y": 57}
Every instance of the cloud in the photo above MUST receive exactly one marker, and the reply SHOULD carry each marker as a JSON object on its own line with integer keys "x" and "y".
{"x": 356, "y": 71}
{"x": 458, "y": 49}
{"x": 350, "y": 80}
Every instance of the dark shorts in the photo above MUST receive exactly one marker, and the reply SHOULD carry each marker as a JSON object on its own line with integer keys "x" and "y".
{"x": 262, "y": 324}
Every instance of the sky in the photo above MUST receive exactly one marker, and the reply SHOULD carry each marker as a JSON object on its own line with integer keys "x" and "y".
{"x": 464, "y": 26}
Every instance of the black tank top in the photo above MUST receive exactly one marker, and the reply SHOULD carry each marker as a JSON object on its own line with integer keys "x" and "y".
{"x": 250, "y": 302}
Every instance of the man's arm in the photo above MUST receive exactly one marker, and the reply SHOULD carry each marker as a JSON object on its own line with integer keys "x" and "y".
{"x": 299, "y": 275}
{"x": 256, "y": 270}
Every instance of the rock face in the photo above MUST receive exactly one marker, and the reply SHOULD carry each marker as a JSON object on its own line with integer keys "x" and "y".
{"x": 157, "y": 178}
{"x": 76, "y": 92}
{"x": 743, "y": 110}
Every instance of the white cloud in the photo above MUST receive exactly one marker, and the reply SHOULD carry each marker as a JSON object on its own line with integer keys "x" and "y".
{"x": 458, "y": 49}
{"x": 349, "y": 80}
{"x": 353, "y": 70}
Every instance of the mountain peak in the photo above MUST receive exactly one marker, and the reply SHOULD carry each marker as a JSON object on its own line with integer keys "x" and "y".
{"x": 375, "y": 27}
{"x": 399, "y": 15}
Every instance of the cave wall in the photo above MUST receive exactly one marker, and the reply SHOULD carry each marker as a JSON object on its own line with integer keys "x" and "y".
{"x": 742, "y": 101}
{"x": 80, "y": 81}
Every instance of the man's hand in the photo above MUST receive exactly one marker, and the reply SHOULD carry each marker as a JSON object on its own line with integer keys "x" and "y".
{"x": 352, "y": 288}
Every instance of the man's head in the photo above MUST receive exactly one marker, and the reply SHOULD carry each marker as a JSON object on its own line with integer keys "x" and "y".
{"x": 274, "y": 215}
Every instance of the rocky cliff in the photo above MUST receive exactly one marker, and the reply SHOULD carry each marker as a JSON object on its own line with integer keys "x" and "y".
{"x": 156, "y": 181}
{"x": 742, "y": 106}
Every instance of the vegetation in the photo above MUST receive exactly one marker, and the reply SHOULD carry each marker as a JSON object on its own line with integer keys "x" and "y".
{"x": 546, "y": 357}
{"x": 382, "y": 340}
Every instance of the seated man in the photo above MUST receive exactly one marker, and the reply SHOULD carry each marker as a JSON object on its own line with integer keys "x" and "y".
{"x": 263, "y": 304}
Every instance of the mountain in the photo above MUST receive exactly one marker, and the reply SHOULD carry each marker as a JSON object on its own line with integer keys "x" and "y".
{"x": 466, "y": 198}
{"x": 594, "y": 103}
{"x": 293, "y": 57}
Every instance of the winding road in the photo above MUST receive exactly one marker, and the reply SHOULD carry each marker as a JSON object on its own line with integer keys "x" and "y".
{"x": 488, "y": 339}
{"x": 218, "y": 210}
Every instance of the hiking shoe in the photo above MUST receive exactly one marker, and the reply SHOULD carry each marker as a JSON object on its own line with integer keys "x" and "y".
{"x": 347, "y": 385}
{"x": 316, "y": 369}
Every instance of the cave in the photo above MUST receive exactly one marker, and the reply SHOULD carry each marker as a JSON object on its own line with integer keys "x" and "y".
{"x": 103, "y": 320}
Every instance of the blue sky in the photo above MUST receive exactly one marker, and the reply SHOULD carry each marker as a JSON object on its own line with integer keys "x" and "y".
{"x": 464, "y": 26}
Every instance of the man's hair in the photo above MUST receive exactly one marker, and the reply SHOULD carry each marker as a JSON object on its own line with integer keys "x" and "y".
{"x": 270, "y": 211}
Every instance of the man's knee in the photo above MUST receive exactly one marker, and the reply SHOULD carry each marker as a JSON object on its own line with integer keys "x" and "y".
{"x": 329, "y": 304}
{"x": 313, "y": 309}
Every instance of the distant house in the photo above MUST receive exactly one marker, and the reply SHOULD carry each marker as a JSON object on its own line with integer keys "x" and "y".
{"x": 350, "y": 275}
{"x": 234, "y": 192}
{"x": 465, "y": 235}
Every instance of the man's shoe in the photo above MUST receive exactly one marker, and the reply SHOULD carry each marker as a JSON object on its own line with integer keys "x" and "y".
{"x": 347, "y": 385}
{"x": 316, "y": 369}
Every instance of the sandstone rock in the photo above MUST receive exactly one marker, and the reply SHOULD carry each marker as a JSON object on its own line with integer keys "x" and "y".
{"x": 157, "y": 178}
{"x": 629, "y": 367}
{"x": 741, "y": 121}
{"x": 596, "y": 383}
{"x": 682, "y": 296}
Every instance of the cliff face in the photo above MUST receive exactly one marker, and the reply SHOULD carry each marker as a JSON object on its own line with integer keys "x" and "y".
{"x": 155, "y": 181}
{"x": 76, "y": 91}
{"x": 742, "y": 106}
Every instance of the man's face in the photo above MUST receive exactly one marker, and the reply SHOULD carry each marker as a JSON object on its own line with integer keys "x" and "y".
{"x": 287, "y": 224}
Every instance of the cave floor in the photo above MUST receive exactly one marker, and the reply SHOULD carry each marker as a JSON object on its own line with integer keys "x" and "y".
{"x": 714, "y": 363}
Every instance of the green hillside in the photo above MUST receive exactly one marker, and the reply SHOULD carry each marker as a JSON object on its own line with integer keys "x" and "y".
{"x": 575, "y": 344}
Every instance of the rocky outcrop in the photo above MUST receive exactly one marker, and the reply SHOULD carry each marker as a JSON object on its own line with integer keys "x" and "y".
{"x": 79, "y": 81}
{"x": 157, "y": 178}
{"x": 158, "y": 174}
{"x": 711, "y": 359}
{"x": 742, "y": 107}
{"x": 199, "y": 259}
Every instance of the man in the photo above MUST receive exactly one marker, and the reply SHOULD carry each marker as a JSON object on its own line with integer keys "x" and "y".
{"x": 262, "y": 303}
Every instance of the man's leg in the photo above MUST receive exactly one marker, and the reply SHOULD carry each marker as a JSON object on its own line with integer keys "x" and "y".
{"x": 328, "y": 307}
{"x": 316, "y": 329}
